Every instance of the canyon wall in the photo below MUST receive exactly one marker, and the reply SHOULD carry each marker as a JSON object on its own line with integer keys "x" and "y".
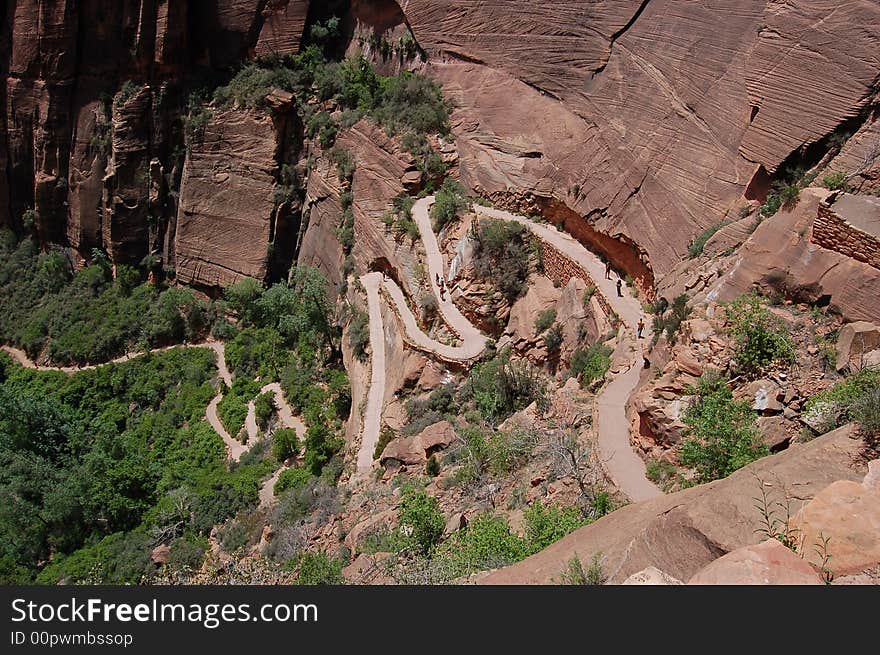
{"x": 635, "y": 123}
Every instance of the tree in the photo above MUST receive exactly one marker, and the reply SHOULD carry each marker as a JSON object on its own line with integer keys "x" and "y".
{"x": 722, "y": 435}
{"x": 285, "y": 444}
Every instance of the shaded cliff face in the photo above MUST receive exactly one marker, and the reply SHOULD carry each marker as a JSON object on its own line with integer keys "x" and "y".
{"x": 93, "y": 94}
{"x": 648, "y": 118}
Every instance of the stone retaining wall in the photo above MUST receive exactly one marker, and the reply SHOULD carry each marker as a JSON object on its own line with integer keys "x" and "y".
{"x": 831, "y": 231}
{"x": 560, "y": 268}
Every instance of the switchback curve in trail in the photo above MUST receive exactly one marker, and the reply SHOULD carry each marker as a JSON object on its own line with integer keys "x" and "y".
{"x": 234, "y": 448}
{"x": 623, "y": 465}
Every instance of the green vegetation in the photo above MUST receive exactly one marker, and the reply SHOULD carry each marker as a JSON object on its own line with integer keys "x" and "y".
{"x": 761, "y": 339}
{"x": 292, "y": 478}
{"x": 448, "y": 201}
{"x": 502, "y": 256}
{"x": 784, "y": 192}
{"x": 421, "y": 521}
{"x": 359, "y": 334}
{"x": 722, "y": 434}
{"x": 319, "y": 569}
{"x": 857, "y": 398}
{"x": 575, "y": 574}
{"x": 590, "y": 364}
{"x": 671, "y": 322}
{"x": 232, "y": 408}
{"x": 264, "y": 409}
{"x": 695, "y": 249}
{"x": 87, "y": 317}
{"x": 836, "y": 181}
{"x": 545, "y": 319}
{"x": 285, "y": 444}
{"x": 661, "y": 473}
{"x": 99, "y": 466}
{"x": 502, "y": 386}
{"x": 485, "y": 451}
{"x": 400, "y": 220}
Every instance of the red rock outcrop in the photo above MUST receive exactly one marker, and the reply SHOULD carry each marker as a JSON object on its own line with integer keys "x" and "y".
{"x": 669, "y": 108}
{"x": 780, "y": 255}
{"x": 283, "y": 24}
{"x": 767, "y": 563}
{"x": 682, "y": 532}
{"x": 226, "y": 200}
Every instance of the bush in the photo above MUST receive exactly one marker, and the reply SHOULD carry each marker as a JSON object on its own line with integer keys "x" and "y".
{"x": 660, "y": 472}
{"x": 502, "y": 255}
{"x": 421, "y": 521}
{"x": 285, "y": 444}
{"x": 722, "y": 435}
{"x": 761, "y": 339}
{"x": 432, "y": 466}
{"x": 292, "y": 478}
{"x": 853, "y": 399}
{"x": 448, "y": 201}
{"x": 553, "y": 340}
{"x": 359, "y": 334}
{"x": 695, "y": 249}
{"x": 545, "y": 319}
{"x": 264, "y": 409}
{"x": 670, "y": 323}
{"x": 500, "y": 387}
{"x": 318, "y": 569}
{"x": 590, "y": 364}
{"x": 546, "y": 525}
{"x": 836, "y": 181}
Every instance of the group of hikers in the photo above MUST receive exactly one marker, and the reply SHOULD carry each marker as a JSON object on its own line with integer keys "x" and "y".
{"x": 640, "y": 328}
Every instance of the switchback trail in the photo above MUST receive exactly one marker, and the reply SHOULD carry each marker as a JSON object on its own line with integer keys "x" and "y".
{"x": 234, "y": 448}
{"x": 622, "y": 464}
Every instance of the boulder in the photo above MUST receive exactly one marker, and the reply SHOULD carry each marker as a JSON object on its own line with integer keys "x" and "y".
{"x": 651, "y": 576}
{"x": 457, "y": 521}
{"x": 765, "y": 396}
{"x": 847, "y": 514}
{"x": 687, "y": 362}
{"x": 160, "y": 554}
{"x": 417, "y": 449}
{"x": 774, "y": 432}
{"x": 541, "y": 296}
{"x": 767, "y": 563}
{"x": 856, "y": 339}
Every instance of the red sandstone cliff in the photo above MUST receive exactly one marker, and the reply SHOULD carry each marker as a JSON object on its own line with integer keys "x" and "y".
{"x": 636, "y": 123}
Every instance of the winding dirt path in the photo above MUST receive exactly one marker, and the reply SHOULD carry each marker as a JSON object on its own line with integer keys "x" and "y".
{"x": 234, "y": 448}
{"x": 376, "y": 394}
{"x": 622, "y": 464}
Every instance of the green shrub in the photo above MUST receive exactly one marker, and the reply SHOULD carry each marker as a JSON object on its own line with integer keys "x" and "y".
{"x": 448, "y": 201}
{"x": 590, "y": 364}
{"x": 695, "y": 249}
{"x": 546, "y": 525}
{"x": 722, "y": 435}
{"x": 660, "y": 472}
{"x": 853, "y": 399}
{"x": 501, "y": 255}
{"x": 421, "y": 521}
{"x": 761, "y": 339}
{"x": 553, "y": 340}
{"x": 545, "y": 319}
{"x": 359, "y": 334}
{"x": 318, "y": 569}
{"x": 432, "y": 466}
{"x": 836, "y": 181}
{"x": 502, "y": 386}
{"x": 671, "y": 322}
{"x": 285, "y": 444}
{"x": 292, "y": 478}
{"x": 264, "y": 409}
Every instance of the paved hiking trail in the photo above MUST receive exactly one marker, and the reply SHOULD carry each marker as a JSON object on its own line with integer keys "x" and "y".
{"x": 625, "y": 468}
{"x": 234, "y": 448}
{"x": 622, "y": 464}
{"x": 472, "y": 341}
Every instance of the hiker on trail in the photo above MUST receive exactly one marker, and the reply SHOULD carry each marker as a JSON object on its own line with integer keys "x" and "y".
{"x": 641, "y": 326}
{"x": 619, "y": 284}
{"x": 608, "y": 270}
